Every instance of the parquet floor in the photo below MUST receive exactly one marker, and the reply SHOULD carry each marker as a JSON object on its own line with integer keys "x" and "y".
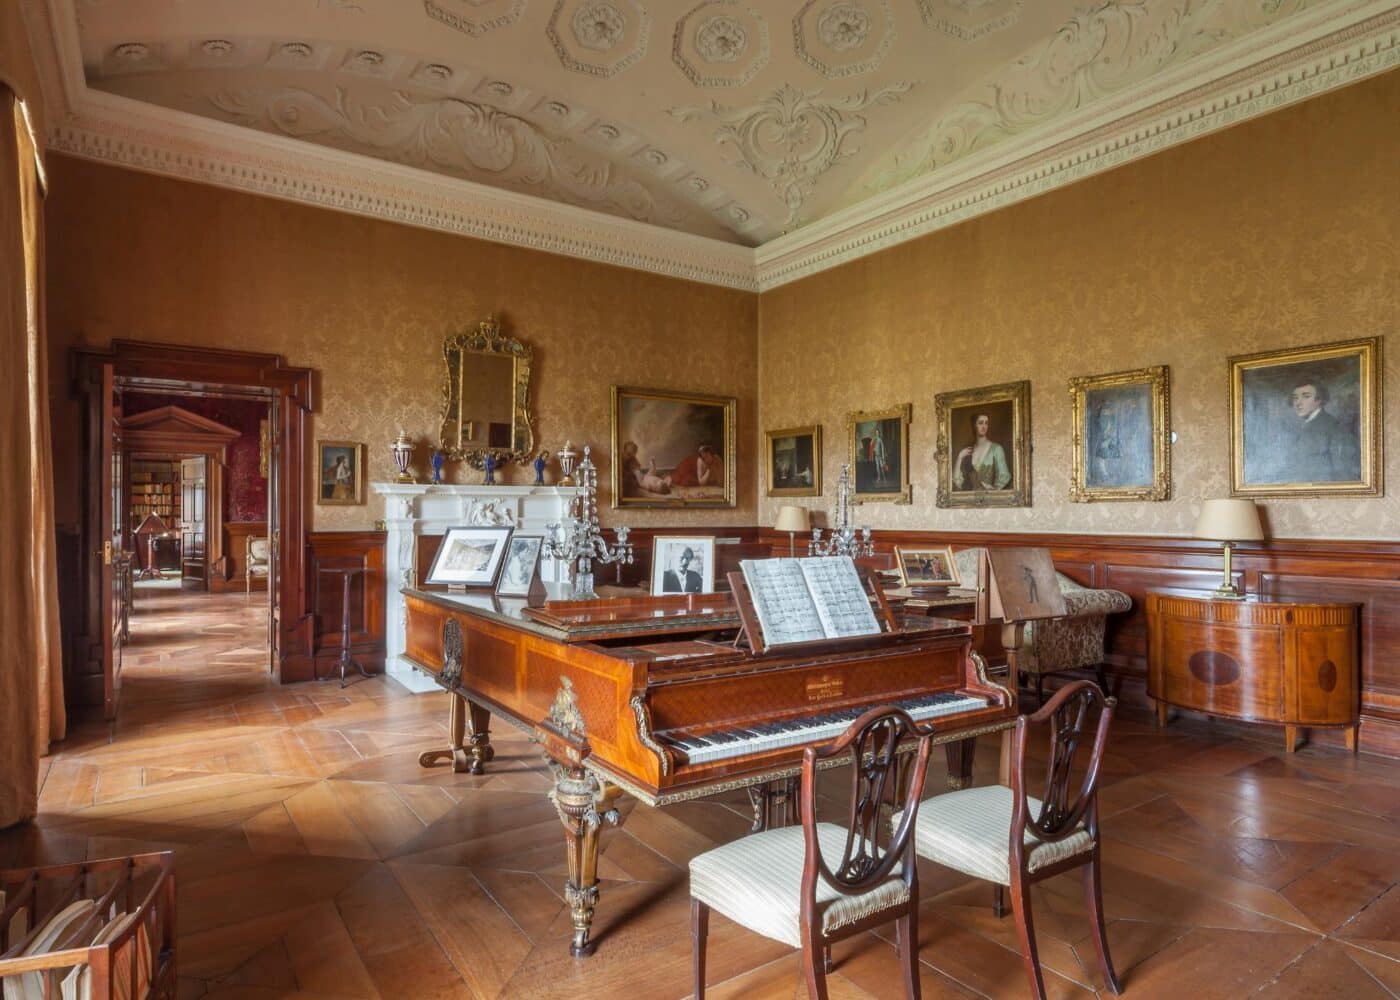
{"x": 316, "y": 859}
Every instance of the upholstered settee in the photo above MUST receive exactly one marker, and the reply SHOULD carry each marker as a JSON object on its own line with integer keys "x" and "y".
{"x": 1058, "y": 644}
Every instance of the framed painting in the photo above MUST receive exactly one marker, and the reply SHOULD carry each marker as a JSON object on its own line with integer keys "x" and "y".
{"x": 1306, "y": 422}
{"x": 683, "y": 565}
{"x": 926, "y": 567}
{"x": 879, "y": 454}
{"x": 672, "y": 449}
{"x": 470, "y": 556}
{"x": 340, "y": 472}
{"x": 795, "y": 462}
{"x": 1122, "y": 436}
{"x": 984, "y": 450}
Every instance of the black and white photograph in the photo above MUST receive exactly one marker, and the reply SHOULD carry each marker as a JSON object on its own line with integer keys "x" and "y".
{"x": 522, "y": 557}
{"x": 683, "y": 565}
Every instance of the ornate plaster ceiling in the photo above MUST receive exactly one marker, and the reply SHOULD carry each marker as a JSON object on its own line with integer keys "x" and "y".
{"x": 745, "y": 123}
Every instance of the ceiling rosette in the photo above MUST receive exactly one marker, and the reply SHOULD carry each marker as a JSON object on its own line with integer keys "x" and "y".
{"x": 599, "y": 37}
{"x": 720, "y": 43}
{"x": 843, "y": 37}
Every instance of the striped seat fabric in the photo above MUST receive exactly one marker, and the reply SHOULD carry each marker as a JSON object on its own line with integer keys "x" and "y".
{"x": 756, "y": 881}
{"x": 970, "y": 831}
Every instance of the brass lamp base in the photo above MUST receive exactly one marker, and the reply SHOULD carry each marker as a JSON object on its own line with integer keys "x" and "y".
{"x": 1227, "y": 589}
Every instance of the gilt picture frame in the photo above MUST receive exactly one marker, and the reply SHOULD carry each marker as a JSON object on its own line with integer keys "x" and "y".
{"x": 672, "y": 449}
{"x": 1122, "y": 435}
{"x": 340, "y": 472}
{"x": 1307, "y": 421}
{"x": 795, "y": 462}
{"x": 878, "y": 446}
{"x": 984, "y": 446}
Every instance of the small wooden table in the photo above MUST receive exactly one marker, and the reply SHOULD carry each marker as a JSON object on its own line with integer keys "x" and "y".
{"x": 346, "y": 661}
{"x": 1289, "y": 663}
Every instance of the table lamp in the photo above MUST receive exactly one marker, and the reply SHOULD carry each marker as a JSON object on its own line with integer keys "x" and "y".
{"x": 1227, "y": 522}
{"x": 792, "y": 520}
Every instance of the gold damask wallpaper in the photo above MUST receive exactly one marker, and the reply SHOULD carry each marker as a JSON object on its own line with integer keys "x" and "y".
{"x": 1280, "y": 232}
{"x": 368, "y": 304}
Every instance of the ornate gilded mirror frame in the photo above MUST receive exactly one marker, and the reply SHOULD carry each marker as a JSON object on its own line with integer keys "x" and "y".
{"x": 486, "y": 339}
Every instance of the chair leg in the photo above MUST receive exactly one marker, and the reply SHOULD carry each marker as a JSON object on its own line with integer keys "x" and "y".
{"x": 699, "y": 930}
{"x": 1039, "y": 689}
{"x": 814, "y": 953}
{"x": 1103, "y": 678}
{"x": 1093, "y": 898}
{"x": 907, "y": 929}
{"x": 1021, "y": 907}
{"x": 827, "y": 963}
{"x": 998, "y": 900}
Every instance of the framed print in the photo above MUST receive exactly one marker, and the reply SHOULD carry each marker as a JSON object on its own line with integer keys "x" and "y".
{"x": 1306, "y": 422}
{"x": 521, "y": 564}
{"x": 926, "y": 567}
{"x": 984, "y": 451}
{"x": 683, "y": 565}
{"x": 340, "y": 472}
{"x": 879, "y": 450}
{"x": 672, "y": 449}
{"x": 470, "y": 556}
{"x": 795, "y": 462}
{"x": 1122, "y": 436}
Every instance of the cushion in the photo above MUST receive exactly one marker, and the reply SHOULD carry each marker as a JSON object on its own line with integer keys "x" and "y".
{"x": 970, "y": 831}
{"x": 756, "y": 881}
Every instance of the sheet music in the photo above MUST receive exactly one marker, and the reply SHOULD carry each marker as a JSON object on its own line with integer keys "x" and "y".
{"x": 782, "y": 600}
{"x": 836, "y": 588}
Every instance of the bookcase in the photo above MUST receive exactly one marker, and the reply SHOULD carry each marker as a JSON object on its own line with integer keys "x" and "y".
{"x": 155, "y": 489}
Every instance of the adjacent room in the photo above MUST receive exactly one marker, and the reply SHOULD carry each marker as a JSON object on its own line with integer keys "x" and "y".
{"x": 845, "y": 498}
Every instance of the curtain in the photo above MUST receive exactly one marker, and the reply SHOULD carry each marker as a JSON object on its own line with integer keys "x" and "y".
{"x": 31, "y": 691}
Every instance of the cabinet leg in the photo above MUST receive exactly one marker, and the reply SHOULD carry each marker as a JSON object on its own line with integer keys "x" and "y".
{"x": 1161, "y": 713}
{"x": 1353, "y": 737}
{"x": 1290, "y": 738}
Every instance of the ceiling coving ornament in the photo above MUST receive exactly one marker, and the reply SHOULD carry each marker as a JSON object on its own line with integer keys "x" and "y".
{"x": 475, "y": 17}
{"x": 720, "y": 43}
{"x": 599, "y": 37}
{"x": 971, "y": 19}
{"x": 793, "y": 137}
{"x": 843, "y": 37}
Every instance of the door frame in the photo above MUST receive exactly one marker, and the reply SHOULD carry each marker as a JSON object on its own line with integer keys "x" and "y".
{"x": 142, "y": 365}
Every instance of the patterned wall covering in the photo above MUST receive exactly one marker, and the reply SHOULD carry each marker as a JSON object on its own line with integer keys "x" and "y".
{"x": 367, "y": 304}
{"x": 245, "y": 490}
{"x": 1277, "y": 233}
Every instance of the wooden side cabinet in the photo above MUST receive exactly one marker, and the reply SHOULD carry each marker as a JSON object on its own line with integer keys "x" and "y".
{"x": 1258, "y": 660}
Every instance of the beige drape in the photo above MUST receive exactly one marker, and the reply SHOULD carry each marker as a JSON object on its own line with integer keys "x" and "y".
{"x": 31, "y": 692}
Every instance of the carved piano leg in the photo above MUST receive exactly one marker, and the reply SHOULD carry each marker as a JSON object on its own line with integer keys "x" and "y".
{"x": 775, "y": 804}
{"x": 584, "y": 806}
{"x": 455, "y": 751}
{"x": 960, "y": 756}
{"x": 481, "y": 749}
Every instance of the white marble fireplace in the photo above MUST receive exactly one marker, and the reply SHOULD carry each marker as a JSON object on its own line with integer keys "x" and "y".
{"x": 413, "y": 510}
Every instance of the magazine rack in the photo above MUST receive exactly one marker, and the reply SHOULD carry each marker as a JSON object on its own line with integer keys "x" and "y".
{"x": 751, "y": 632}
{"x": 136, "y": 959}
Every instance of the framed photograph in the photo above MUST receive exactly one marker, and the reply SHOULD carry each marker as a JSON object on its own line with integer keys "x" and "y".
{"x": 1306, "y": 422}
{"x": 683, "y": 565}
{"x": 341, "y": 476}
{"x": 672, "y": 449}
{"x": 926, "y": 567}
{"x": 1122, "y": 436}
{"x": 879, "y": 454}
{"x": 521, "y": 564}
{"x": 984, "y": 450}
{"x": 470, "y": 556}
{"x": 795, "y": 462}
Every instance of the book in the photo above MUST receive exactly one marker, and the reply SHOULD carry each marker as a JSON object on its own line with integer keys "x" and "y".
{"x": 802, "y": 600}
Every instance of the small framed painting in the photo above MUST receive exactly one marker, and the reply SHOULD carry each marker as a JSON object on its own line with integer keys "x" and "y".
{"x": 795, "y": 462}
{"x": 522, "y": 563}
{"x": 1122, "y": 436}
{"x": 926, "y": 567}
{"x": 672, "y": 449}
{"x": 470, "y": 556}
{"x": 341, "y": 472}
{"x": 683, "y": 565}
{"x": 984, "y": 446}
{"x": 879, "y": 450}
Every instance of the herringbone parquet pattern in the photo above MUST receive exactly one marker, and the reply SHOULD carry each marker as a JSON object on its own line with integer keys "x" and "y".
{"x": 316, "y": 859}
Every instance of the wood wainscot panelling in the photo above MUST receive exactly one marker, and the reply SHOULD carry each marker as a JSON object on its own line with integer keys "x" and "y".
{"x": 327, "y": 550}
{"x": 1364, "y": 572}
{"x": 236, "y": 535}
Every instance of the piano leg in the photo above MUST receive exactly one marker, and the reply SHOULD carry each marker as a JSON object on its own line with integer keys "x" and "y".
{"x": 960, "y": 756}
{"x": 465, "y": 759}
{"x": 584, "y": 806}
{"x": 774, "y": 804}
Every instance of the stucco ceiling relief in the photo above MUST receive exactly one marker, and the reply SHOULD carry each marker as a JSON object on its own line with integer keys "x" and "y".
{"x": 792, "y": 137}
{"x": 843, "y": 37}
{"x": 475, "y": 17}
{"x": 599, "y": 37}
{"x": 720, "y": 43}
{"x": 970, "y": 19}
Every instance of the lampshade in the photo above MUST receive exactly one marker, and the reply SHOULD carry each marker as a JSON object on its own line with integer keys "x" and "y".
{"x": 792, "y": 519}
{"x": 1229, "y": 521}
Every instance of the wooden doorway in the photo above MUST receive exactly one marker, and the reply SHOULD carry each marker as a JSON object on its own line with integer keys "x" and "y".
{"x": 139, "y": 366}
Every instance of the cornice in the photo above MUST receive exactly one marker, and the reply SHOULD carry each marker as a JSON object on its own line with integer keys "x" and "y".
{"x": 1300, "y": 58}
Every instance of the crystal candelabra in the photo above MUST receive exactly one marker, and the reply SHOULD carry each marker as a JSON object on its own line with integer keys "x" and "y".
{"x": 579, "y": 540}
{"x": 842, "y": 541}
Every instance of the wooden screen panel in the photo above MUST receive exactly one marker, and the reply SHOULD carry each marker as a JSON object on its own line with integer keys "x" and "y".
{"x": 368, "y": 595}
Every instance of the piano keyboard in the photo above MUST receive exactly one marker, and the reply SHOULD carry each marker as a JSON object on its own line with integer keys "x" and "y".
{"x": 723, "y": 744}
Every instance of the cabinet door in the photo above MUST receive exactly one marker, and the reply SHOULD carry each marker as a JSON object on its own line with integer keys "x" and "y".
{"x": 1224, "y": 669}
{"x": 1325, "y": 669}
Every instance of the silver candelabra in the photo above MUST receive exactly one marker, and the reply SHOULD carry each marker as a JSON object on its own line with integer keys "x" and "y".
{"x": 579, "y": 540}
{"x": 842, "y": 541}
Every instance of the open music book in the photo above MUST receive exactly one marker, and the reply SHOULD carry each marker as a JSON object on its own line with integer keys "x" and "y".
{"x": 800, "y": 600}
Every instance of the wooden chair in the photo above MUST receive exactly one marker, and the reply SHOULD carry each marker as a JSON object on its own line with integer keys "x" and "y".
{"x": 256, "y": 562}
{"x": 778, "y": 883}
{"x": 1010, "y": 839}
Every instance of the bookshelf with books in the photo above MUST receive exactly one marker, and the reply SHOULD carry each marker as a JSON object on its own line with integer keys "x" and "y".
{"x": 155, "y": 489}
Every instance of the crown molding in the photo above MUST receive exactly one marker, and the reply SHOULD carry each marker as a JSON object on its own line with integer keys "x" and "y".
{"x": 1306, "y": 55}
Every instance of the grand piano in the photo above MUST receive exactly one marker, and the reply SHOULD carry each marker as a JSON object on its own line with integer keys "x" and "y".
{"x": 653, "y": 697}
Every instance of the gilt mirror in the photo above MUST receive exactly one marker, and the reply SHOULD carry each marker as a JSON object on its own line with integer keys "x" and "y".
{"x": 486, "y": 397}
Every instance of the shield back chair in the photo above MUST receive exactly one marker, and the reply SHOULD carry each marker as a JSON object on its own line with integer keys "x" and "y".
{"x": 256, "y": 562}
{"x": 1007, "y": 837}
{"x": 816, "y": 883}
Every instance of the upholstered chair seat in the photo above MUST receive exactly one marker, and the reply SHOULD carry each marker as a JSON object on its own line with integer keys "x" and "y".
{"x": 257, "y": 561}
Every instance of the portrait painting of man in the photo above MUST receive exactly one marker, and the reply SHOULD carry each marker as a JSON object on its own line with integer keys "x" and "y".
{"x": 1122, "y": 440}
{"x": 879, "y": 454}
